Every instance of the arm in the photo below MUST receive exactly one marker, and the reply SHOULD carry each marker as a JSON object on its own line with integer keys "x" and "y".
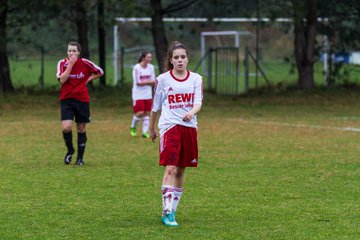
{"x": 94, "y": 76}
{"x": 198, "y": 98}
{"x": 152, "y": 132}
{"x": 144, "y": 83}
{"x": 157, "y": 102}
{"x": 151, "y": 82}
{"x": 94, "y": 70}
{"x": 190, "y": 114}
{"x": 65, "y": 75}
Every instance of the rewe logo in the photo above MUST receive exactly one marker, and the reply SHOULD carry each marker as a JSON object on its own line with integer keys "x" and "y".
{"x": 143, "y": 77}
{"x": 180, "y": 97}
{"x": 194, "y": 161}
{"x": 170, "y": 89}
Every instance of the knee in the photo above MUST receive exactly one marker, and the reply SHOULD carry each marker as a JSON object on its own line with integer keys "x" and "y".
{"x": 140, "y": 114}
{"x": 179, "y": 173}
{"x": 81, "y": 128}
{"x": 66, "y": 128}
{"x": 170, "y": 170}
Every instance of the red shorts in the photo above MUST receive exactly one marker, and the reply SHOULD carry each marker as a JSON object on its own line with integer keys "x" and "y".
{"x": 143, "y": 105}
{"x": 178, "y": 147}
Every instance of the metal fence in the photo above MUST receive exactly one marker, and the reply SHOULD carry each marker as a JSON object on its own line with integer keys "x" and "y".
{"x": 231, "y": 72}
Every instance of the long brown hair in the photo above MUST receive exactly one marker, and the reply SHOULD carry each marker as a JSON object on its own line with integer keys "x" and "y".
{"x": 173, "y": 46}
{"x": 143, "y": 55}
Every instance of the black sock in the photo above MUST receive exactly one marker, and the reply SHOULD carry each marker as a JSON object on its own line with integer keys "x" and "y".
{"x": 81, "y": 144}
{"x": 68, "y": 142}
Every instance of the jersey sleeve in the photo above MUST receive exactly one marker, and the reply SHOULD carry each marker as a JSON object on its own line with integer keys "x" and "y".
{"x": 135, "y": 75}
{"x": 198, "y": 91}
{"x": 92, "y": 67}
{"x": 158, "y": 96}
{"x": 153, "y": 73}
{"x": 60, "y": 69}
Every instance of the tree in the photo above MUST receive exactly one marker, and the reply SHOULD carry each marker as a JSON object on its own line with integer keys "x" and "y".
{"x": 101, "y": 38}
{"x": 158, "y": 28}
{"x": 305, "y": 21}
{"x": 304, "y": 14}
{"x": 5, "y": 80}
{"x": 80, "y": 18}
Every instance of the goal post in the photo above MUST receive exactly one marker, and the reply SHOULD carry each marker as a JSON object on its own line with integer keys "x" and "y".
{"x": 203, "y": 36}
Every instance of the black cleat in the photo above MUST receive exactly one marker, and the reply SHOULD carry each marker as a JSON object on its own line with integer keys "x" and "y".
{"x": 79, "y": 162}
{"x": 67, "y": 158}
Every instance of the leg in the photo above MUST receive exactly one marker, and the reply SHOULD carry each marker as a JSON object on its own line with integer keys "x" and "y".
{"x": 66, "y": 126}
{"x": 67, "y": 135}
{"x": 167, "y": 188}
{"x": 169, "y": 175}
{"x": 145, "y": 122}
{"x": 167, "y": 191}
{"x": 81, "y": 129}
{"x": 135, "y": 120}
{"x": 178, "y": 186}
{"x": 146, "y": 118}
{"x": 179, "y": 177}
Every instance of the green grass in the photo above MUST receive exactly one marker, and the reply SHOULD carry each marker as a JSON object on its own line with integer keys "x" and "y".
{"x": 258, "y": 178}
{"x": 26, "y": 73}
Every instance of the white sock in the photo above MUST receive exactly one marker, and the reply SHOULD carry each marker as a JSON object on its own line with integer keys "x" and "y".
{"x": 177, "y": 195}
{"x": 145, "y": 124}
{"x": 135, "y": 120}
{"x": 167, "y": 198}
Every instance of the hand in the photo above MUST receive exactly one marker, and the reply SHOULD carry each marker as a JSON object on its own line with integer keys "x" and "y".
{"x": 73, "y": 59}
{"x": 89, "y": 79}
{"x": 152, "y": 134}
{"x": 188, "y": 116}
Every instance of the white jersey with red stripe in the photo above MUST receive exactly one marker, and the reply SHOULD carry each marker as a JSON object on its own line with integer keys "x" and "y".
{"x": 175, "y": 97}
{"x": 141, "y": 74}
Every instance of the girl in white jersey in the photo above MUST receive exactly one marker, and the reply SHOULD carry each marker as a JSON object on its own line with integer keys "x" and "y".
{"x": 179, "y": 95}
{"x": 143, "y": 77}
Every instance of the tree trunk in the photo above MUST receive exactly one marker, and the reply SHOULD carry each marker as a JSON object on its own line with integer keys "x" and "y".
{"x": 101, "y": 36}
{"x": 5, "y": 80}
{"x": 158, "y": 33}
{"x": 82, "y": 29}
{"x": 305, "y": 33}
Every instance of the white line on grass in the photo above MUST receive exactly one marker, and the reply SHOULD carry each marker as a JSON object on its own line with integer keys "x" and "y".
{"x": 297, "y": 125}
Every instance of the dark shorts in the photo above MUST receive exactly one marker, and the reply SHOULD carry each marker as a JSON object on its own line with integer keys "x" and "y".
{"x": 71, "y": 108}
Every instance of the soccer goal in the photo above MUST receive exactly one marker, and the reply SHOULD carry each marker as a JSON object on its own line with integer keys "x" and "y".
{"x": 206, "y": 36}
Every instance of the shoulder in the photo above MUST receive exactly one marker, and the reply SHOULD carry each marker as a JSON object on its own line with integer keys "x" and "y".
{"x": 196, "y": 76}
{"x": 136, "y": 66}
{"x": 86, "y": 61}
{"x": 150, "y": 66}
{"x": 164, "y": 76}
{"x": 62, "y": 61}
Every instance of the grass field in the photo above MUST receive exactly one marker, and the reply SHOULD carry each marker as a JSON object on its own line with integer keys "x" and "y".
{"x": 276, "y": 166}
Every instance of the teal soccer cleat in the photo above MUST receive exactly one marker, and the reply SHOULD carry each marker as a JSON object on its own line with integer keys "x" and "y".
{"x": 169, "y": 220}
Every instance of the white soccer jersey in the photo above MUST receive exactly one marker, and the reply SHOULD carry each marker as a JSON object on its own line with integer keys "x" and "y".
{"x": 142, "y": 74}
{"x": 175, "y": 97}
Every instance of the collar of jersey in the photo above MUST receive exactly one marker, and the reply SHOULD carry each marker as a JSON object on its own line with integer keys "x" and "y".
{"x": 178, "y": 79}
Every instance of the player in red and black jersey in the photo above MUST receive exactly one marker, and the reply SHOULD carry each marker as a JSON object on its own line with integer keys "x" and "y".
{"x": 74, "y": 73}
